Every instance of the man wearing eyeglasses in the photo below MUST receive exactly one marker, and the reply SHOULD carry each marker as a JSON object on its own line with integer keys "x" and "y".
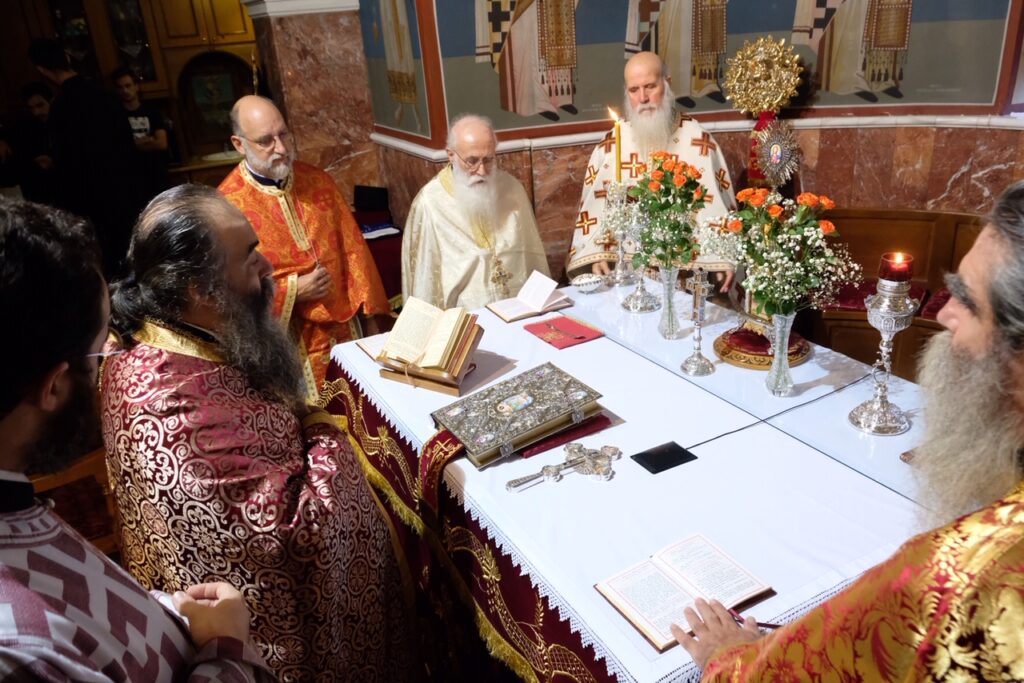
{"x": 471, "y": 237}
{"x": 323, "y": 269}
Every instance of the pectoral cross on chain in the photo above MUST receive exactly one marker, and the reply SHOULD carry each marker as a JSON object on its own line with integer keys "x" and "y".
{"x": 701, "y": 288}
{"x": 500, "y": 276}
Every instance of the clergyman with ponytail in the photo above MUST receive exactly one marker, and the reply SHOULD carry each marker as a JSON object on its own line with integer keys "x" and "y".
{"x": 221, "y": 470}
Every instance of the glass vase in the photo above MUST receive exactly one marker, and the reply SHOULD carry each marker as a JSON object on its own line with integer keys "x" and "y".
{"x": 779, "y": 381}
{"x": 669, "y": 324}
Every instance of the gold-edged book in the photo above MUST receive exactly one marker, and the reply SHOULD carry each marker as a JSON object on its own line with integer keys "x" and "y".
{"x": 652, "y": 594}
{"x": 517, "y": 412}
{"x": 428, "y": 347}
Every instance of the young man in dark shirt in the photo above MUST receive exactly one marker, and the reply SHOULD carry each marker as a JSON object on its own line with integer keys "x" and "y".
{"x": 149, "y": 130}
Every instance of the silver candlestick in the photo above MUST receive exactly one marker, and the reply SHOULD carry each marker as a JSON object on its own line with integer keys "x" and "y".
{"x": 616, "y": 218}
{"x": 697, "y": 365}
{"x": 640, "y": 301}
{"x": 889, "y": 312}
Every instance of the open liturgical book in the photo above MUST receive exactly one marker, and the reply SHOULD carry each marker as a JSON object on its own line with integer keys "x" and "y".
{"x": 538, "y": 295}
{"x": 653, "y": 594}
{"x": 430, "y": 344}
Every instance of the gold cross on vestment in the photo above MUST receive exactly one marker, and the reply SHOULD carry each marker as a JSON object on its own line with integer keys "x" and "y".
{"x": 500, "y": 276}
{"x": 585, "y": 222}
{"x": 705, "y": 144}
{"x": 635, "y": 165}
{"x": 607, "y": 240}
{"x": 723, "y": 182}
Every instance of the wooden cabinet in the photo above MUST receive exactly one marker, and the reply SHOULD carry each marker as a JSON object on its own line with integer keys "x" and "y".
{"x": 198, "y": 23}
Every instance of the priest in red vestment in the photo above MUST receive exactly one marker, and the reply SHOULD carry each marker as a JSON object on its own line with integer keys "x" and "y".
{"x": 219, "y": 467}
{"x": 949, "y": 605}
{"x": 323, "y": 269}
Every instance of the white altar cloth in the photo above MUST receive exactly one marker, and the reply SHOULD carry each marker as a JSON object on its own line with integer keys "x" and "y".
{"x": 800, "y": 521}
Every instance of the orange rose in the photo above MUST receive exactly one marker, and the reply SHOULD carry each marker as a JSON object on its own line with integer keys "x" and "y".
{"x": 744, "y": 194}
{"x": 827, "y": 227}
{"x": 654, "y": 186}
{"x": 735, "y": 225}
{"x": 698, "y": 193}
{"x": 774, "y": 210}
{"x": 678, "y": 180}
{"x": 761, "y": 192}
{"x": 659, "y": 156}
{"x": 695, "y": 172}
{"x": 807, "y": 199}
{"x": 657, "y": 175}
{"x": 756, "y": 200}
{"x": 669, "y": 165}
{"x": 642, "y": 168}
{"x": 827, "y": 203}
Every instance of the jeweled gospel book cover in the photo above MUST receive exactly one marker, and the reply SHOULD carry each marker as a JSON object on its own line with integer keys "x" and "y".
{"x": 514, "y": 413}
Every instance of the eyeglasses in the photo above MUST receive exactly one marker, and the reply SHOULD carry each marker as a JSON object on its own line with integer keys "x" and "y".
{"x": 267, "y": 141}
{"x": 473, "y": 163}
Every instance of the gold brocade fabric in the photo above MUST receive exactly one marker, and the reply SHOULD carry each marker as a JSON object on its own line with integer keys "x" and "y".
{"x": 948, "y": 606}
{"x": 306, "y": 221}
{"x": 214, "y": 481}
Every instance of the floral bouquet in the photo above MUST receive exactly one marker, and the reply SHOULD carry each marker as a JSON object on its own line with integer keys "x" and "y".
{"x": 783, "y": 245}
{"x": 669, "y": 195}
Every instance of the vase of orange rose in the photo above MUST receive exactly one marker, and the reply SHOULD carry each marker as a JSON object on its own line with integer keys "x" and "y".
{"x": 669, "y": 195}
{"x": 784, "y": 246}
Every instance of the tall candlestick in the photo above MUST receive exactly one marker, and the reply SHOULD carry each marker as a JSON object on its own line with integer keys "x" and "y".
{"x": 618, "y": 145}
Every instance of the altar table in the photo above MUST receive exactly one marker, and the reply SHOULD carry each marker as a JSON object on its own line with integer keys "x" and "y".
{"x": 801, "y": 499}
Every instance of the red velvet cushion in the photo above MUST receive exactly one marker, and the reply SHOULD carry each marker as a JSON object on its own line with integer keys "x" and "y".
{"x": 931, "y": 309}
{"x": 749, "y": 341}
{"x": 851, "y": 297}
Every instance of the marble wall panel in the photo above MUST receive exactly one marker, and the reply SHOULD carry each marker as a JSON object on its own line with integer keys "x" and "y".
{"x": 404, "y": 174}
{"x": 911, "y": 166}
{"x": 520, "y": 165}
{"x": 950, "y": 171}
{"x": 993, "y": 167}
{"x": 317, "y": 70}
{"x": 834, "y": 174}
{"x": 557, "y": 185}
{"x": 872, "y": 167}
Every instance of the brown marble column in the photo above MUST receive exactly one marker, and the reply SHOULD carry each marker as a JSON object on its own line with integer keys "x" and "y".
{"x": 316, "y": 70}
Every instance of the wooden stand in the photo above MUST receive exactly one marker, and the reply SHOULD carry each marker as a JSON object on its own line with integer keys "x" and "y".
{"x": 447, "y": 381}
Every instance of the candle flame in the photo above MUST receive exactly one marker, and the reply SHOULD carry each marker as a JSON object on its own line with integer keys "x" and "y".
{"x": 611, "y": 112}
{"x": 898, "y": 257}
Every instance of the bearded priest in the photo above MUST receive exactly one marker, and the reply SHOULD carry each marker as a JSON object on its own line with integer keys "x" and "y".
{"x": 219, "y": 466}
{"x": 652, "y": 126}
{"x": 949, "y": 604}
{"x": 471, "y": 237}
{"x": 323, "y": 270}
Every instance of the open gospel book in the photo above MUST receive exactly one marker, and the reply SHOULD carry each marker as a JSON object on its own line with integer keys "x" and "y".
{"x": 538, "y": 295}
{"x": 652, "y": 594}
{"x": 429, "y": 344}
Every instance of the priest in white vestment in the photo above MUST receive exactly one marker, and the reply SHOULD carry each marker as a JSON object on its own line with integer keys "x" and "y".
{"x": 471, "y": 237}
{"x": 653, "y": 126}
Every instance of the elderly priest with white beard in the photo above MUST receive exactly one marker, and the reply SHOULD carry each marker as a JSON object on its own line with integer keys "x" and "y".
{"x": 652, "y": 126}
{"x": 949, "y": 604}
{"x": 471, "y": 237}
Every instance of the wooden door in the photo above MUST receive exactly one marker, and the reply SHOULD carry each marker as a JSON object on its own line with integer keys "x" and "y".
{"x": 181, "y": 23}
{"x": 228, "y": 22}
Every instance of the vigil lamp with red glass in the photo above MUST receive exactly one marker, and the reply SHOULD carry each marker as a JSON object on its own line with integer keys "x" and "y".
{"x": 890, "y": 310}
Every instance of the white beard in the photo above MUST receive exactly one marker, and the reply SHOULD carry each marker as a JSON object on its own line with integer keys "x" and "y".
{"x": 272, "y": 168}
{"x": 652, "y": 125}
{"x": 973, "y": 430}
{"x": 477, "y": 196}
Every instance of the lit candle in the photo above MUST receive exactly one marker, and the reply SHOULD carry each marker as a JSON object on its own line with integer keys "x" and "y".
{"x": 618, "y": 145}
{"x": 896, "y": 266}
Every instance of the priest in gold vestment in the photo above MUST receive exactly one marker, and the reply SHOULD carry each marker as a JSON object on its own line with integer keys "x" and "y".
{"x": 949, "y": 605}
{"x": 652, "y": 126}
{"x": 324, "y": 271}
{"x": 221, "y": 470}
{"x": 471, "y": 237}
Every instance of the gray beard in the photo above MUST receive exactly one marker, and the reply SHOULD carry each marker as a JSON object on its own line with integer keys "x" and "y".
{"x": 269, "y": 170}
{"x": 260, "y": 347}
{"x": 653, "y": 130}
{"x": 973, "y": 431}
{"x": 479, "y": 201}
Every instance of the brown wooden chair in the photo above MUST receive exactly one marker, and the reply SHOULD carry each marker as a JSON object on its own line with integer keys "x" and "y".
{"x": 83, "y": 497}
